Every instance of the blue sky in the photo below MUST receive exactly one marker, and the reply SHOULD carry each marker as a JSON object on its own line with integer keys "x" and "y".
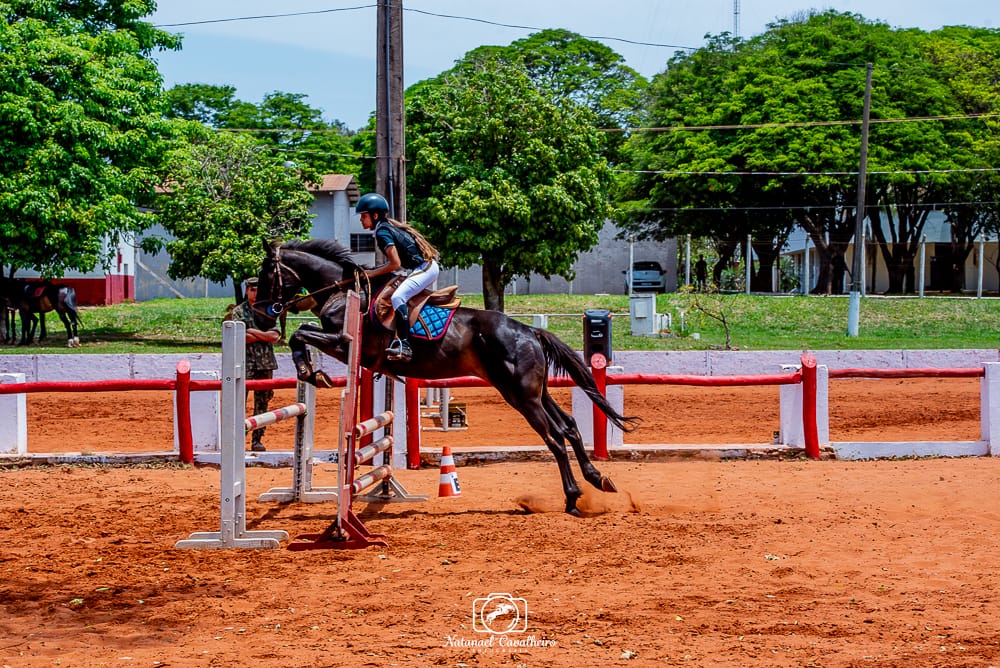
{"x": 329, "y": 55}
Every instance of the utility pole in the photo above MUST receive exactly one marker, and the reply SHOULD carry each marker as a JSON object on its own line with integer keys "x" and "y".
{"x": 390, "y": 135}
{"x": 854, "y": 307}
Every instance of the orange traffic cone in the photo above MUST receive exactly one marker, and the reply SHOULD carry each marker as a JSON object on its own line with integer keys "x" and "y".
{"x": 449, "y": 476}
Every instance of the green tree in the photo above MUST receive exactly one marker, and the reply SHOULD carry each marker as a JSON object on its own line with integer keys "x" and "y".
{"x": 967, "y": 59}
{"x": 570, "y": 67}
{"x": 502, "y": 176}
{"x": 307, "y": 140}
{"x": 205, "y": 103}
{"x": 80, "y": 105}
{"x": 782, "y": 112}
{"x": 225, "y": 193}
{"x": 284, "y": 121}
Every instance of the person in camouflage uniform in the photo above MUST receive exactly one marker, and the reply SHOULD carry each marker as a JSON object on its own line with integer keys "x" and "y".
{"x": 260, "y": 362}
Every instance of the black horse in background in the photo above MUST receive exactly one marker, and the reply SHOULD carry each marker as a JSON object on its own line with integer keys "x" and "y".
{"x": 32, "y": 300}
{"x": 510, "y": 355}
{"x": 11, "y": 291}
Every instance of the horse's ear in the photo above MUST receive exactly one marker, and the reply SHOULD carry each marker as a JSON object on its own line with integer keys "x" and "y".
{"x": 271, "y": 247}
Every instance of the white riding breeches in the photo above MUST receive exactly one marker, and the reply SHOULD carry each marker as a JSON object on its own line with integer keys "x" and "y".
{"x": 420, "y": 278}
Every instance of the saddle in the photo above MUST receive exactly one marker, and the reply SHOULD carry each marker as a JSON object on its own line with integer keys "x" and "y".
{"x": 442, "y": 300}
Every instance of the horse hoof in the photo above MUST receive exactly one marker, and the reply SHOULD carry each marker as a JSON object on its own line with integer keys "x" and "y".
{"x": 572, "y": 510}
{"x": 320, "y": 379}
{"x": 607, "y": 485}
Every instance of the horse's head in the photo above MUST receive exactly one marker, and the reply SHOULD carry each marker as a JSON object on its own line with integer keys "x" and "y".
{"x": 300, "y": 275}
{"x": 276, "y": 286}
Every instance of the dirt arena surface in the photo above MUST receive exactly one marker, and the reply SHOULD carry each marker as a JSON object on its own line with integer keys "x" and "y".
{"x": 694, "y": 563}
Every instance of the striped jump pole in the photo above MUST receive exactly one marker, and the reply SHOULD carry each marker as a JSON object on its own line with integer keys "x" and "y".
{"x": 232, "y": 490}
{"x": 277, "y": 415}
{"x": 348, "y": 531}
{"x": 302, "y": 490}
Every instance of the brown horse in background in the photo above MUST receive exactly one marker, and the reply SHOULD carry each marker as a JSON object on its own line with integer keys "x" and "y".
{"x": 34, "y": 299}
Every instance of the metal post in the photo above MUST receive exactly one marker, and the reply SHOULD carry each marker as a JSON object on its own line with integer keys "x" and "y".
{"x": 631, "y": 264}
{"x": 920, "y": 273}
{"x": 687, "y": 262}
{"x": 854, "y": 307}
{"x": 979, "y": 277}
{"x": 749, "y": 260}
{"x": 805, "y": 268}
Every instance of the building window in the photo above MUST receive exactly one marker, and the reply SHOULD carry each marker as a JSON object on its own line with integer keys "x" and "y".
{"x": 363, "y": 243}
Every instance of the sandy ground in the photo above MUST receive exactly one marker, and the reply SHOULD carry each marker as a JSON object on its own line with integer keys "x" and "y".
{"x": 693, "y": 563}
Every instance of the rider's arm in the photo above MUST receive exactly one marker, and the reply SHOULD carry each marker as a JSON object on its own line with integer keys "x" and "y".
{"x": 392, "y": 265}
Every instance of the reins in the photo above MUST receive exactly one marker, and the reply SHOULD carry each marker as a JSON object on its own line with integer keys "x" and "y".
{"x": 275, "y": 307}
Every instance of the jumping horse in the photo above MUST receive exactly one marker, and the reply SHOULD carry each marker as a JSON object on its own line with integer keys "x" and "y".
{"x": 510, "y": 355}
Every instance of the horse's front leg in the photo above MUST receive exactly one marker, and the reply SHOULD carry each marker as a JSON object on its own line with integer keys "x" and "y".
{"x": 311, "y": 334}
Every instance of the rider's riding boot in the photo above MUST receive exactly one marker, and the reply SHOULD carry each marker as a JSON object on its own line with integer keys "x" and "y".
{"x": 400, "y": 349}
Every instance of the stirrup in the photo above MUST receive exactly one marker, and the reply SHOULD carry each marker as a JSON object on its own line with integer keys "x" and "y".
{"x": 399, "y": 350}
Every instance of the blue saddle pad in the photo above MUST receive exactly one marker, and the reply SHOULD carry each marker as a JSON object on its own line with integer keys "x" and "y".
{"x": 432, "y": 323}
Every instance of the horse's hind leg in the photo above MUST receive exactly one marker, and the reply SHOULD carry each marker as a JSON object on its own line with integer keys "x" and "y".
{"x": 539, "y": 419}
{"x": 568, "y": 429}
{"x": 29, "y": 321}
{"x": 70, "y": 329}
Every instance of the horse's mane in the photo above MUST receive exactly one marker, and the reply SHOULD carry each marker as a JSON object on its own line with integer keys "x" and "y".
{"x": 328, "y": 249}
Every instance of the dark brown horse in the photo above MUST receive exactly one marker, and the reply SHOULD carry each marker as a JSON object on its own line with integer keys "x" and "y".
{"x": 10, "y": 293}
{"x": 34, "y": 299}
{"x": 511, "y": 356}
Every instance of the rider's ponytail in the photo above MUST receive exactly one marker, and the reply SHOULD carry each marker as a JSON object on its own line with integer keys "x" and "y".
{"x": 426, "y": 249}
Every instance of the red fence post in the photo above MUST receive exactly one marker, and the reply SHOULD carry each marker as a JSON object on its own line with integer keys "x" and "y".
{"x": 182, "y": 397}
{"x": 809, "y": 429}
{"x": 412, "y": 395}
{"x": 599, "y": 369}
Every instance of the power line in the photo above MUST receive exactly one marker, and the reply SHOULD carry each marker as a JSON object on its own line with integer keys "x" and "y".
{"x": 664, "y": 172}
{"x": 688, "y": 128}
{"x": 797, "y": 207}
{"x": 414, "y": 11}
{"x": 536, "y": 29}
{"x": 262, "y": 16}
{"x": 804, "y": 124}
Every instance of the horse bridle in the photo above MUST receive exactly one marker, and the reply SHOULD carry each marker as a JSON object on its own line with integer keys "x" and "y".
{"x": 273, "y": 308}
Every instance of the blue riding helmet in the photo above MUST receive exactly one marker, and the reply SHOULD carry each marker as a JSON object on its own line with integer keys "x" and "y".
{"x": 372, "y": 203}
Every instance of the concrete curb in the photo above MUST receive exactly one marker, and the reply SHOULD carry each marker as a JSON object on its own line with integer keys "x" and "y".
{"x": 429, "y": 457}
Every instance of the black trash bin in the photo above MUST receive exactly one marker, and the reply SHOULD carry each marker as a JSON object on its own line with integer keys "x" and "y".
{"x": 596, "y": 334}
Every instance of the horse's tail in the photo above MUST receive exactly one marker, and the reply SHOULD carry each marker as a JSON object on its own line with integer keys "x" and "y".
{"x": 564, "y": 360}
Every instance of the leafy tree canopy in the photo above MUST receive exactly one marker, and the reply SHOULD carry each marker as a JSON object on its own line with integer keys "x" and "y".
{"x": 227, "y": 191}
{"x": 772, "y": 125}
{"x": 283, "y": 121}
{"x": 80, "y": 104}
{"x": 503, "y": 176}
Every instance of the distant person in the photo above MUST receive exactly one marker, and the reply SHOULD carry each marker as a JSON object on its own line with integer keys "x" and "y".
{"x": 701, "y": 273}
{"x": 260, "y": 361}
